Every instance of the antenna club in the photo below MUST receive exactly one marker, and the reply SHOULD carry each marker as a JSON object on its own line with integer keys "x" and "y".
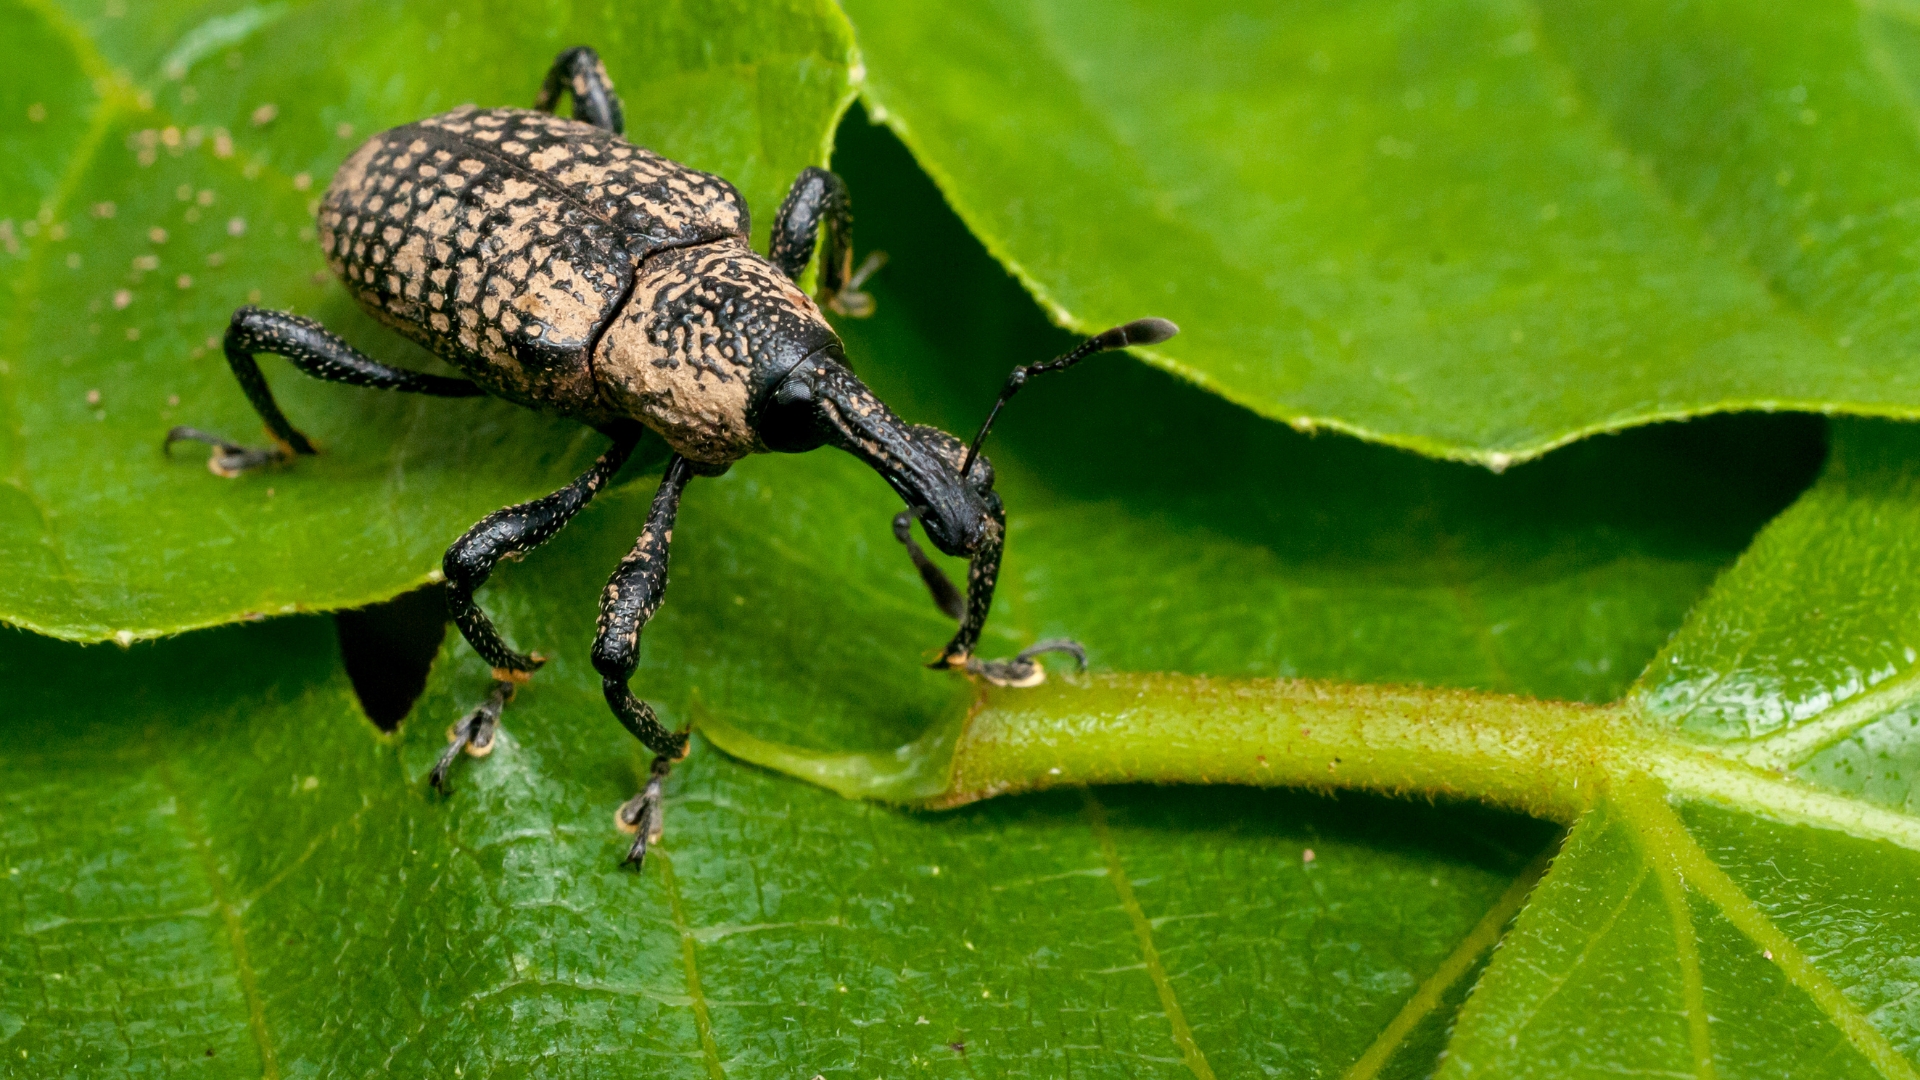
{"x": 1149, "y": 331}
{"x": 1137, "y": 332}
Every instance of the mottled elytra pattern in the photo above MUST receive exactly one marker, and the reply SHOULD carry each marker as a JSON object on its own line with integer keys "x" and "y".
{"x": 708, "y": 331}
{"x": 505, "y": 240}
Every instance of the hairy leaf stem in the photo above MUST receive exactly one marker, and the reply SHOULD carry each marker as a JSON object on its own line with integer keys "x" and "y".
{"x": 1548, "y": 759}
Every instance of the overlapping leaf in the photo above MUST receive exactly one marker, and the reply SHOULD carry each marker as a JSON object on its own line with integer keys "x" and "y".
{"x": 1475, "y": 229}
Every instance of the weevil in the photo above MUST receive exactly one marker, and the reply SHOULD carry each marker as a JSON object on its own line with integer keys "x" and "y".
{"x": 564, "y": 269}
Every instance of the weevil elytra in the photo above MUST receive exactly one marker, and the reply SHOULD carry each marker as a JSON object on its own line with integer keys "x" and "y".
{"x": 564, "y": 269}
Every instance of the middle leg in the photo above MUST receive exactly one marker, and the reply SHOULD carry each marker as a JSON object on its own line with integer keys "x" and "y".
{"x": 819, "y": 197}
{"x": 632, "y": 596}
{"x": 509, "y": 534}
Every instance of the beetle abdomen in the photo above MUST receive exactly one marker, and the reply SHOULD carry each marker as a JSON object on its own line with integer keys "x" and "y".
{"x": 505, "y": 239}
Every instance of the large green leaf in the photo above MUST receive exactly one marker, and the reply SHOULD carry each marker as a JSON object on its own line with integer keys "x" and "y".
{"x": 1799, "y": 663}
{"x": 360, "y": 924}
{"x": 1736, "y": 896}
{"x": 213, "y": 852}
{"x": 1475, "y": 229}
{"x": 158, "y": 168}
{"x": 219, "y": 859}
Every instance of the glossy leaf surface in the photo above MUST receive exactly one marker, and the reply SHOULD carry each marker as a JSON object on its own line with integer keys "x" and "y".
{"x": 1478, "y": 230}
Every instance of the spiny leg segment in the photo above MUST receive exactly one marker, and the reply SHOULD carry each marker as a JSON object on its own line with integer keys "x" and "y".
{"x": 510, "y": 534}
{"x": 507, "y": 534}
{"x": 315, "y": 350}
{"x": 579, "y": 72}
{"x": 633, "y": 594}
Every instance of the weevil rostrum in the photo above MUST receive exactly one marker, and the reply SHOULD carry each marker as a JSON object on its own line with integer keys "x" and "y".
{"x": 566, "y": 270}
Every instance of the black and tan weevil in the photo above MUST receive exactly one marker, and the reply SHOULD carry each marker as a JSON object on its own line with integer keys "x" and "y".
{"x": 566, "y": 270}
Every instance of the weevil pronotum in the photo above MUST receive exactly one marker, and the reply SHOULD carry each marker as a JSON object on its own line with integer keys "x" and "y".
{"x": 566, "y": 270}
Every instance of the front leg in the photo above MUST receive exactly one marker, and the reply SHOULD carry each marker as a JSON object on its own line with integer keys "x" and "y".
{"x": 983, "y": 573}
{"x": 817, "y": 197}
{"x": 632, "y": 595}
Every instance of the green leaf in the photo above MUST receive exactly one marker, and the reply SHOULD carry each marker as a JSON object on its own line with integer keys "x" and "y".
{"x": 1736, "y": 895}
{"x": 1800, "y": 662}
{"x": 1476, "y": 230}
{"x": 164, "y": 824}
{"x": 219, "y": 855}
{"x": 158, "y": 167}
{"x": 214, "y": 852}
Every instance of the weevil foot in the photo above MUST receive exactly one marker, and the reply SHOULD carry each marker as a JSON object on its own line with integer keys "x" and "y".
{"x": 850, "y": 301}
{"x": 645, "y": 815}
{"x": 473, "y": 733}
{"x": 1023, "y": 670}
{"x": 229, "y": 459}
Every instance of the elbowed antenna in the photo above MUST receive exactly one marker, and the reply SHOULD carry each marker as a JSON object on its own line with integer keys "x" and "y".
{"x": 1137, "y": 332}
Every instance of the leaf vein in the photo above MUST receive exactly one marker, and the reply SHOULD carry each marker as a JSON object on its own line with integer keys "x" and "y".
{"x": 1430, "y": 994}
{"x": 1190, "y": 1052}
{"x": 1663, "y": 830}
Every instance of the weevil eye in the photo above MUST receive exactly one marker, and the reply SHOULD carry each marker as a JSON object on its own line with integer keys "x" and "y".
{"x": 789, "y": 422}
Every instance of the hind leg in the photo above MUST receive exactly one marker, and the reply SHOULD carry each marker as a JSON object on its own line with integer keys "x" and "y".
{"x": 316, "y": 351}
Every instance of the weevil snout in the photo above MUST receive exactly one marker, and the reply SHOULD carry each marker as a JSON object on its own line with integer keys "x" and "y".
{"x": 953, "y": 512}
{"x": 822, "y": 403}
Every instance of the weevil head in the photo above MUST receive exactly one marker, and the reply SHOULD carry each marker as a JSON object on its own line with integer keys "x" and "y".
{"x": 822, "y": 403}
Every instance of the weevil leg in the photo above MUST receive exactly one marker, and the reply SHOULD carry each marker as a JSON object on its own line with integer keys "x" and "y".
{"x": 316, "y": 351}
{"x": 229, "y": 459}
{"x": 632, "y": 595}
{"x": 983, "y": 573}
{"x": 819, "y": 196}
{"x": 945, "y": 596}
{"x": 645, "y": 815}
{"x": 509, "y": 534}
{"x": 579, "y": 72}
{"x": 473, "y": 733}
{"x": 1022, "y": 670}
